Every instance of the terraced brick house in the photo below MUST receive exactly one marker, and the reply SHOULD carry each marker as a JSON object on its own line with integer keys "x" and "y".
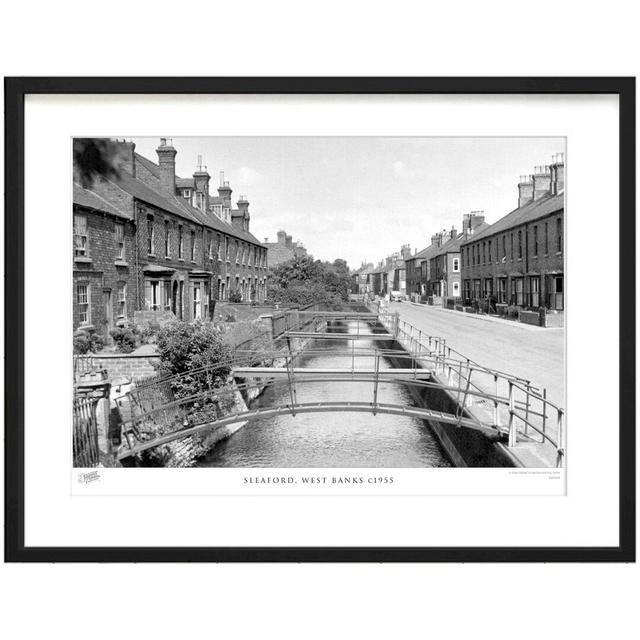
{"x": 519, "y": 260}
{"x": 183, "y": 249}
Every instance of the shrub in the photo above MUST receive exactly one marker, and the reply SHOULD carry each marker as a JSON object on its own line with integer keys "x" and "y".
{"x": 87, "y": 343}
{"x": 124, "y": 339}
{"x": 147, "y": 331}
{"x": 185, "y": 346}
{"x": 235, "y": 296}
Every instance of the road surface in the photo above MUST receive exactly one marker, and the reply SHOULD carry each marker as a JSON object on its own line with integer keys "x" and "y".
{"x": 533, "y": 353}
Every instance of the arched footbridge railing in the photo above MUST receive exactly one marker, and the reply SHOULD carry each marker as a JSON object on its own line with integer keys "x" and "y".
{"x": 503, "y": 407}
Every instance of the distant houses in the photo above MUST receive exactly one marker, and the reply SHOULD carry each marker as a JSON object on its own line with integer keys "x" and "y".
{"x": 284, "y": 249}
{"x": 516, "y": 261}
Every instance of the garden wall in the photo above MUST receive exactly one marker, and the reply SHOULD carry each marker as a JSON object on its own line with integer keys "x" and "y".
{"x": 125, "y": 366}
{"x": 531, "y": 317}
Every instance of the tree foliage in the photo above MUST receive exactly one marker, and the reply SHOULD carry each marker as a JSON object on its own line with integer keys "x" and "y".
{"x": 303, "y": 281}
{"x": 93, "y": 157}
{"x": 187, "y": 346}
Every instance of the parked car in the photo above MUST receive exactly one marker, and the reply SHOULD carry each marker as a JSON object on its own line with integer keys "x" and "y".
{"x": 396, "y": 296}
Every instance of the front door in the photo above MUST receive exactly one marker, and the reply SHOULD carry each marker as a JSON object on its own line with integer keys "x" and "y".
{"x": 535, "y": 292}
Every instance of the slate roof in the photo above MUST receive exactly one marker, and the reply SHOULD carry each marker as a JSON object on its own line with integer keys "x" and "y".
{"x": 185, "y": 183}
{"x": 91, "y": 200}
{"x": 528, "y": 213}
{"x": 175, "y": 204}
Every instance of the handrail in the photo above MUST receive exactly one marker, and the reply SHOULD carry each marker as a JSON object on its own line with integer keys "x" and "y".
{"x": 423, "y": 351}
{"x": 514, "y": 382}
{"x": 228, "y": 390}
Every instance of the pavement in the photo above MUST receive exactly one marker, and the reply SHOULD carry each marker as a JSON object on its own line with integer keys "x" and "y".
{"x": 534, "y": 353}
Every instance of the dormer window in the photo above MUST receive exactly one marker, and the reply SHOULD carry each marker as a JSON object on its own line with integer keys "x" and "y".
{"x": 186, "y": 194}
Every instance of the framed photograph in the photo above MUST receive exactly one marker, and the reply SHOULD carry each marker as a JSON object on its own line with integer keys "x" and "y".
{"x": 320, "y": 319}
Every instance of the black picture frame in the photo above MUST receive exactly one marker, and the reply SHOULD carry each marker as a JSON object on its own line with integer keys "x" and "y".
{"x": 15, "y": 91}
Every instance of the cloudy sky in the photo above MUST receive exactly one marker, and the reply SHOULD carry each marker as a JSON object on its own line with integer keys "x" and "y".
{"x": 362, "y": 198}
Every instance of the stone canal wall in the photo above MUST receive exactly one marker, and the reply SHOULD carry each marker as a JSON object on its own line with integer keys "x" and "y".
{"x": 464, "y": 447}
{"x": 187, "y": 451}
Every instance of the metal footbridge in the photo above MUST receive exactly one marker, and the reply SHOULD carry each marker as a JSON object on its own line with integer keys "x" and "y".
{"x": 502, "y": 407}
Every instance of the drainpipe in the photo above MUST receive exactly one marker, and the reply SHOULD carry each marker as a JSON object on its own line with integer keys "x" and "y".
{"x": 526, "y": 257}
{"x": 136, "y": 211}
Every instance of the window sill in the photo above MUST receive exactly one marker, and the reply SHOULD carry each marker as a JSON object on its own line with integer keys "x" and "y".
{"x": 180, "y": 259}
{"x": 86, "y": 327}
{"x": 151, "y": 255}
{"x": 82, "y": 260}
{"x": 167, "y": 257}
{"x": 121, "y": 263}
{"x": 558, "y": 253}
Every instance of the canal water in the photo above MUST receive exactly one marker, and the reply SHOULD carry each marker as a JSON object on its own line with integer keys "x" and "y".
{"x": 332, "y": 439}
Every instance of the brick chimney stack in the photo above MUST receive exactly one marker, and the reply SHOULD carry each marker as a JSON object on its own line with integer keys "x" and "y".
{"x": 167, "y": 161}
{"x": 288, "y": 241}
{"x": 224, "y": 190}
{"x": 557, "y": 173}
{"x": 201, "y": 181}
{"x": 471, "y": 221}
{"x": 405, "y": 251}
{"x": 541, "y": 182}
{"x": 282, "y": 237}
{"x": 243, "y": 207}
{"x": 525, "y": 190}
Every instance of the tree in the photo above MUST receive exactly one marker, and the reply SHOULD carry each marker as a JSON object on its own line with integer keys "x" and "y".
{"x": 303, "y": 281}
{"x": 93, "y": 157}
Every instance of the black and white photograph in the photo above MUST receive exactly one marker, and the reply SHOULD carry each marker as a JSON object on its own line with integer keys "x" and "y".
{"x": 355, "y": 310}
{"x": 364, "y": 303}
